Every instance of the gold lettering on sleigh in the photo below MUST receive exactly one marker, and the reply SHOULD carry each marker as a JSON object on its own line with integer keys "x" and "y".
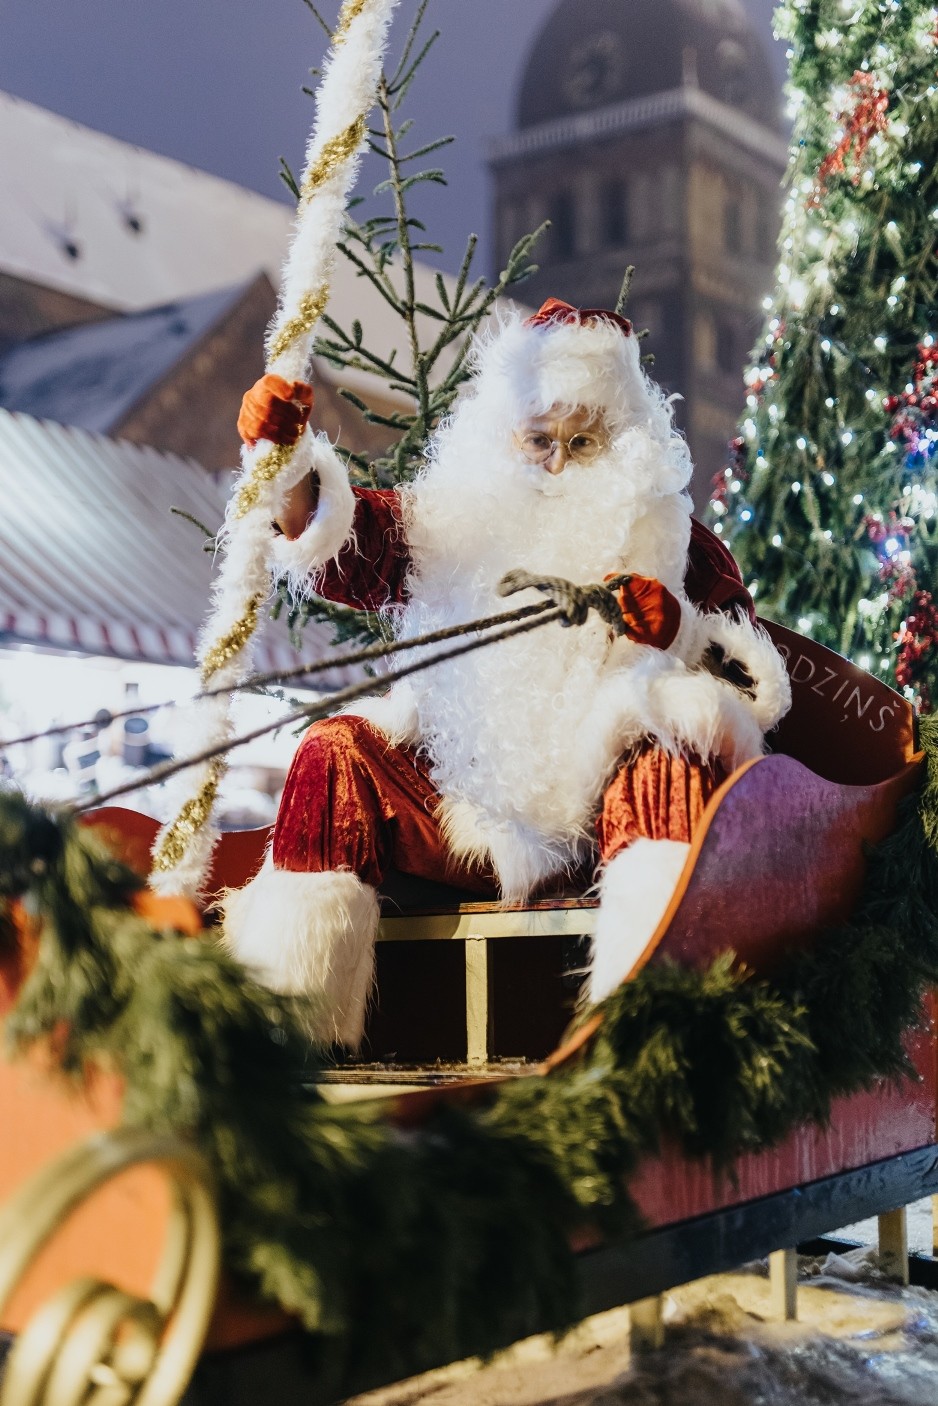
{"x": 831, "y": 686}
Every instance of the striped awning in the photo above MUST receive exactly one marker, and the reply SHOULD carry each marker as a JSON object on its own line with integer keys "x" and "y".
{"x": 93, "y": 560}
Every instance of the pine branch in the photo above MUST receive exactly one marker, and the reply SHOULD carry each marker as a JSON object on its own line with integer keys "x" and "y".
{"x": 408, "y": 44}
{"x": 402, "y": 87}
{"x": 312, "y": 8}
{"x": 626, "y": 288}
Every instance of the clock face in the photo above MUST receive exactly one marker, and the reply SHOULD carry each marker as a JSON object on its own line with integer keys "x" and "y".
{"x": 594, "y": 70}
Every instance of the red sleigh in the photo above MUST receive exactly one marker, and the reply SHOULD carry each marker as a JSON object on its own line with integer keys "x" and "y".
{"x": 779, "y": 858}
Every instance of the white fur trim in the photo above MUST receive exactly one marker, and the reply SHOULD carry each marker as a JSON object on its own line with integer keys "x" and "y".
{"x": 393, "y": 713}
{"x": 752, "y": 647}
{"x": 329, "y": 528}
{"x": 308, "y": 935}
{"x": 635, "y": 890}
{"x": 521, "y": 856}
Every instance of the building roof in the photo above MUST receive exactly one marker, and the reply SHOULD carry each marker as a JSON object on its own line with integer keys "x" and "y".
{"x": 129, "y": 229}
{"x": 121, "y": 226}
{"x": 90, "y": 376}
{"x": 593, "y": 53}
{"x": 93, "y": 560}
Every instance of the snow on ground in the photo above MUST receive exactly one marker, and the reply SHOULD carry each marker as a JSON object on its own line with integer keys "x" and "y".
{"x": 863, "y": 1342}
{"x": 919, "y": 1221}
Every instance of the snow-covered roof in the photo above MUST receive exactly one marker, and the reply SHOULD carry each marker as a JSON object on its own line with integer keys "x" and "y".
{"x": 144, "y": 230}
{"x": 94, "y": 216}
{"x": 90, "y": 376}
{"x": 94, "y": 561}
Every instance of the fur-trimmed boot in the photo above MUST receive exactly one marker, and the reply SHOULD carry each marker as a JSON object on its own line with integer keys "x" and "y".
{"x": 309, "y": 934}
{"x": 635, "y": 889}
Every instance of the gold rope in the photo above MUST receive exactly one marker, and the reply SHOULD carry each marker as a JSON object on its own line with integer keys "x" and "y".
{"x": 310, "y": 310}
{"x": 335, "y": 152}
{"x": 192, "y": 817}
{"x": 233, "y": 641}
{"x": 349, "y": 14}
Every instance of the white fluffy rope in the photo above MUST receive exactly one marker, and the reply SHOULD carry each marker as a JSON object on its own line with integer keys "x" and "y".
{"x": 345, "y": 94}
{"x": 328, "y": 529}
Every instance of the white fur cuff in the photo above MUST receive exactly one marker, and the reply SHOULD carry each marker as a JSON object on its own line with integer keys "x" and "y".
{"x": 308, "y": 935}
{"x": 750, "y": 646}
{"x": 331, "y": 525}
{"x": 635, "y": 890}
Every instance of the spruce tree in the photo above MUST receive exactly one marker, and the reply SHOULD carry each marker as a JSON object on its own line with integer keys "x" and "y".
{"x": 830, "y": 502}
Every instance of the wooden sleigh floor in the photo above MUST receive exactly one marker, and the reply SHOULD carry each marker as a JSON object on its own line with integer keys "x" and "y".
{"x": 470, "y": 992}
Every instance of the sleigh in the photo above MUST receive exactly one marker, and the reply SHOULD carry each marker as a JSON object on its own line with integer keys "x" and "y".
{"x": 470, "y": 994}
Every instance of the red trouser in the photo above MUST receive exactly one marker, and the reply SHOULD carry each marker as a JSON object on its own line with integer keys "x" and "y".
{"x": 353, "y": 801}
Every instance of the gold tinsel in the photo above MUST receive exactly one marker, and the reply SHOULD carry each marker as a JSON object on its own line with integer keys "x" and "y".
{"x": 335, "y": 152}
{"x": 349, "y": 14}
{"x": 309, "y": 313}
{"x": 192, "y": 817}
{"x": 233, "y": 641}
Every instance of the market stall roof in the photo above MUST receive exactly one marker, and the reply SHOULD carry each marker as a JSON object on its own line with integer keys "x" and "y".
{"x": 92, "y": 560}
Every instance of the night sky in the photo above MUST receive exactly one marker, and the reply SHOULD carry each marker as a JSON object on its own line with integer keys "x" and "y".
{"x": 219, "y": 84}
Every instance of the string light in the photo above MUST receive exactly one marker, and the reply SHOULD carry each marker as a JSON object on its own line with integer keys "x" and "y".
{"x": 865, "y": 114}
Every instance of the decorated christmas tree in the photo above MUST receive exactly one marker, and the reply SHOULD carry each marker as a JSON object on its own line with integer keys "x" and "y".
{"x": 830, "y": 499}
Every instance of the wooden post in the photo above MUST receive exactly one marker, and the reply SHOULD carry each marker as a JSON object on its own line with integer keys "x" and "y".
{"x": 783, "y": 1284}
{"x": 646, "y": 1324}
{"x": 894, "y": 1244}
{"x": 477, "y": 1000}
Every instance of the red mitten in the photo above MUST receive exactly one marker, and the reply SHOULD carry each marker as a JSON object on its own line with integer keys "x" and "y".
{"x": 651, "y": 613}
{"x": 275, "y": 409}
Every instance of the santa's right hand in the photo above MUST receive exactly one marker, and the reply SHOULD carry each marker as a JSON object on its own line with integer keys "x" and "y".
{"x": 275, "y": 409}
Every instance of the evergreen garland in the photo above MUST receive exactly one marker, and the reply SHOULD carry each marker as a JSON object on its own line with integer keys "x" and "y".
{"x": 400, "y": 1248}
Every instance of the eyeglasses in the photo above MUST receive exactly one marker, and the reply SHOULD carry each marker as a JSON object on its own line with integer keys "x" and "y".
{"x": 583, "y": 447}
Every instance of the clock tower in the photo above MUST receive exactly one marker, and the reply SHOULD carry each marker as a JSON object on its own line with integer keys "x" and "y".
{"x": 648, "y": 132}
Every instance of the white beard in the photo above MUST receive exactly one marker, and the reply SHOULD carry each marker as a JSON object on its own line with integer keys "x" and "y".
{"x": 517, "y": 734}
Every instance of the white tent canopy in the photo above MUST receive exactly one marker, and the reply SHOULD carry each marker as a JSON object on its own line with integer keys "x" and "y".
{"x": 93, "y": 561}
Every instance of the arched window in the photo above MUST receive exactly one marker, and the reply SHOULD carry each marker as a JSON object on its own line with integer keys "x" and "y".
{"x": 726, "y": 341}
{"x": 733, "y": 225}
{"x": 563, "y": 225}
{"x": 613, "y": 213}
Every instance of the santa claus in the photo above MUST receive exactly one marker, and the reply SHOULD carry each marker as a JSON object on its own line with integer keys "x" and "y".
{"x": 560, "y": 750}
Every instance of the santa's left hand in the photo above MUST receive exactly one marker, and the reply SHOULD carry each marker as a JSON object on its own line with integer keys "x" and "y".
{"x": 651, "y": 613}
{"x": 573, "y": 600}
